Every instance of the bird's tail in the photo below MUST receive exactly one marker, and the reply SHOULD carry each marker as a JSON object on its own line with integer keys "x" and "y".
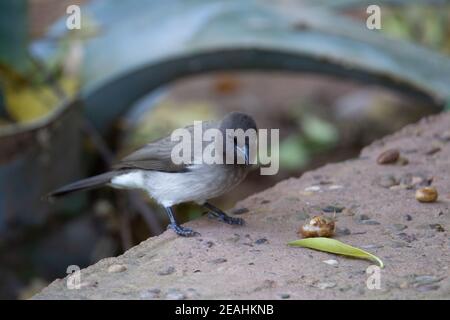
{"x": 85, "y": 184}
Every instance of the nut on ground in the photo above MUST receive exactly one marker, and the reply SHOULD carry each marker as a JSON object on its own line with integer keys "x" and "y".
{"x": 388, "y": 156}
{"x": 318, "y": 226}
{"x": 427, "y": 194}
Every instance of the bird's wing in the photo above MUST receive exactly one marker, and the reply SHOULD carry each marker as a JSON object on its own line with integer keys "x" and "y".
{"x": 156, "y": 156}
{"x": 153, "y": 156}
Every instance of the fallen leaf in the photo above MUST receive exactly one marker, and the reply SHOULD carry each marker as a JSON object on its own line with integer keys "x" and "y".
{"x": 335, "y": 246}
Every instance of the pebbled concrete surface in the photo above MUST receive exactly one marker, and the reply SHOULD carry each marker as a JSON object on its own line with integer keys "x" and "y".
{"x": 379, "y": 214}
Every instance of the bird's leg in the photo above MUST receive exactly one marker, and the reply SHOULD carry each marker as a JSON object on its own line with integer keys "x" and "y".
{"x": 179, "y": 230}
{"x": 222, "y": 216}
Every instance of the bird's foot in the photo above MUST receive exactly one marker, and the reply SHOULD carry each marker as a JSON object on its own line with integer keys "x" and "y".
{"x": 183, "y": 231}
{"x": 227, "y": 219}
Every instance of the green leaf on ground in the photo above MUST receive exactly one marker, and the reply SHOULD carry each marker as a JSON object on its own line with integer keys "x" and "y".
{"x": 335, "y": 246}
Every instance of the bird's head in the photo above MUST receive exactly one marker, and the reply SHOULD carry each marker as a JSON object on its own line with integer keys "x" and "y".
{"x": 240, "y": 132}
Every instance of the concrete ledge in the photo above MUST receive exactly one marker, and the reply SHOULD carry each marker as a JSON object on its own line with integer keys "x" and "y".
{"x": 380, "y": 213}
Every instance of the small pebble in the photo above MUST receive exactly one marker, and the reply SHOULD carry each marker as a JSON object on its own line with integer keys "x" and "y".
{"x": 312, "y": 189}
{"x": 335, "y": 187}
{"x": 432, "y": 151}
{"x": 261, "y": 241}
{"x": 427, "y": 194}
{"x": 363, "y": 217}
{"x": 326, "y": 285}
{"x": 209, "y": 244}
{"x": 284, "y": 296}
{"x": 167, "y": 271}
{"x": 331, "y": 262}
{"x": 150, "y": 294}
{"x": 416, "y": 180}
{"x": 401, "y": 187}
{"x": 386, "y": 181}
{"x": 425, "y": 279}
{"x": 115, "y": 268}
{"x": 219, "y": 260}
{"x": 388, "y": 156}
{"x": 397, "y": 227}
{"x": 408, "y": 217}
{"x": 370, "y": 222}
{"x": 175, "y": 295}
{"x": 333, "y": 209}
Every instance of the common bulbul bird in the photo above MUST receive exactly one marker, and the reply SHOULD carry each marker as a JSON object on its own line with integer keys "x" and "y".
{"x": 152, "y": 169}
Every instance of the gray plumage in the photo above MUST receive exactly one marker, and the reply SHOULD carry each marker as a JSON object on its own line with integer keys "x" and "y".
{"x": 151, "y": 169}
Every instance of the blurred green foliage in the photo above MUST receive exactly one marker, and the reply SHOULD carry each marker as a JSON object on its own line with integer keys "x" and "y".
{"x": 314, "y": 135}
{"x": 427, "y": 25}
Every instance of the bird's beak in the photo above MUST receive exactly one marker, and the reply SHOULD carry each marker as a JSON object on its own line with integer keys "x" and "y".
{"x": 245, "y": 153}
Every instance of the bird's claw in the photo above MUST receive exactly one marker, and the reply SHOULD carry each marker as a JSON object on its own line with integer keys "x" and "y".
{"x": 183, "y": 231}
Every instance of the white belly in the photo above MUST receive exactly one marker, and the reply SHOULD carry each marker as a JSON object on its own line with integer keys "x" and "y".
{"x": 169, "y": 189}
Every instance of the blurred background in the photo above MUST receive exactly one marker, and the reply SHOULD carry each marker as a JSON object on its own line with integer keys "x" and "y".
{"x": 72, "y": 102}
